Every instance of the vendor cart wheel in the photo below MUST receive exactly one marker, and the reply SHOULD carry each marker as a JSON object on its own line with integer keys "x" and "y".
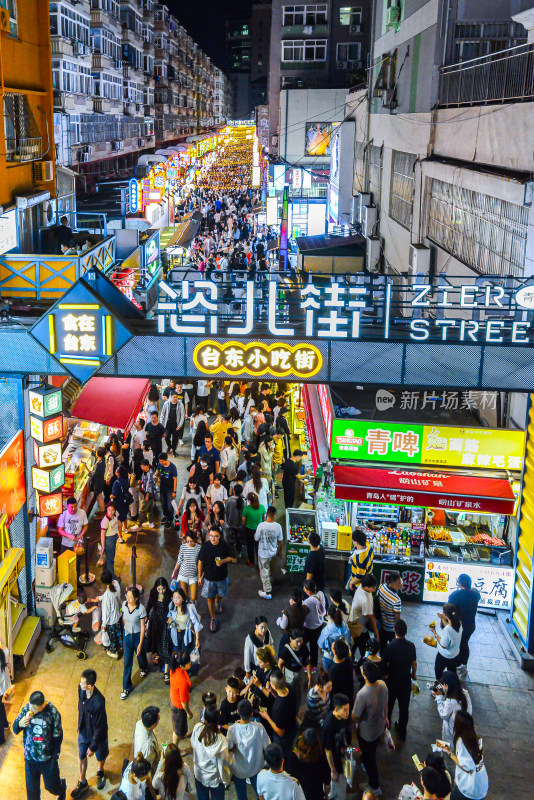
{"x": 81, "y": 655}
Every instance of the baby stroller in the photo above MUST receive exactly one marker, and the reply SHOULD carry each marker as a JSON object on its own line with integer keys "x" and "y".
{"x": 62, "y": 630}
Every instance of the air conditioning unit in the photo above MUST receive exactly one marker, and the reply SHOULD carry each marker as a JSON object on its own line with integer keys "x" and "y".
{"x": 342, "y": 65}
{"x": 355, "y": 28}
{"x": 370, "y": 214}
{"x": 364, "y": 199}
{"x": 419, "y": 259}
{"x": 43, "y": 171}
{"x": 393, "y": 15}
{"x": 373, "y": 253}
{"x": 5, "y": 21}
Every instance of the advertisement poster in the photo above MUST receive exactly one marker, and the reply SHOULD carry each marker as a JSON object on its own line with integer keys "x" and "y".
{"x": 12, "y": 483}
{"x": 437, "y": 445}
{"x": 495, "y": 584}
{"x": 318, "y": 135}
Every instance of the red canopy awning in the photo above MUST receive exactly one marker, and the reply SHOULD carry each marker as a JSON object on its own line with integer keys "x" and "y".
{"x": 314, "y": 425}
{"x": 114, "y": 402}
{"x": 420, "y": 488}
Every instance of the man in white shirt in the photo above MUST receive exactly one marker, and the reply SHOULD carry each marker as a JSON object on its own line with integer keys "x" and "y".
{"x": 270, "y": 537}
{"x": 361, "y": 615}
{"x": 203, "y": 393}
{"x": 275, "y": 784}
{"x": 139, "y": 435}
{"x": 145, "y": 739}
{"x": 72, "y": 525}
{"x": 247, "y": 741}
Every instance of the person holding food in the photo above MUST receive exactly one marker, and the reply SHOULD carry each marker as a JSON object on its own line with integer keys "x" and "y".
{"x": 450, "y": 697}
{"x": 448, "y": 641}
{"x": 466, "y": 600}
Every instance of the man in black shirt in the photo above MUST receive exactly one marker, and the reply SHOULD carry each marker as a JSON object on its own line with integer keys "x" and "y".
{"x": 282, "y": 714}
{"x": 92, "y": 731}
{"x": 400, "y": 668}
{"x": 154, "y": 435}
{"x": 168, "y": 478}
{"x": 315, "y": 564}
{"x": 466, "y": 600}
{"x": 291, "y": 471}
{"x": 336, "y": 738}
{"x": 213, "y": 559}
{"x": 63, "y": 234}
{"x": 342, "y": 671}
{"x": 228, "y": 713}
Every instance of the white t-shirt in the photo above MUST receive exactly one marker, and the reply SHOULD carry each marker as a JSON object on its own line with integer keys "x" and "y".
{"x": 268, "y": 534}
{"x": 215, "y": 494}
{"x": 449, "y": 646}
{"x": 278, "y": 786}
{"x": 202, "y": 389}
{"x": 262, "y": 494}
{"x": 138, "y": 438}
{"x": 250, "y": 740}
{"x": 471, "y": 779}
{"x": 73, "y": 524}
{"x": 362, "y": 605}
{"x": 110, "y": 526}
{"x": 133, "y": 791}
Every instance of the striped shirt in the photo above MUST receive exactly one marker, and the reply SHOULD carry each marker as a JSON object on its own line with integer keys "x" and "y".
{"x": 187, "y": 559}
{"x": 361, "y": 563}
{"x": 317, "y": 708}
{"x": 389, "y": 605}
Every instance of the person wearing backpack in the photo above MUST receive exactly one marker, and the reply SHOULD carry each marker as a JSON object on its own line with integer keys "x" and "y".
{"x": 122, "y": 497}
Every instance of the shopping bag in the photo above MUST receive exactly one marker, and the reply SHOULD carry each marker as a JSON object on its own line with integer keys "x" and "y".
{"x": 349, "y": 764}
{"x": 195, "y": 655}
{"x": 387, "y": 738}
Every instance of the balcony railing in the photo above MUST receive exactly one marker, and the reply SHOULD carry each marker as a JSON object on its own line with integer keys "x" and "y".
{"x": 500, "y": 77}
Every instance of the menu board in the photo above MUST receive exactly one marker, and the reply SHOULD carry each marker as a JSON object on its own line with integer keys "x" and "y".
{"x": 495, "y": 584}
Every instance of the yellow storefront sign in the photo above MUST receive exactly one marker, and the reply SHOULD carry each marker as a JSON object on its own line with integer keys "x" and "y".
{"x": 473, "y": 447}
{"x": 256, "y": 358}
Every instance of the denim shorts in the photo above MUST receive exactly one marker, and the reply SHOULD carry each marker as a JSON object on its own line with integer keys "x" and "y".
{"x": 101, "y": 753}
{"x": 212, "y": 589}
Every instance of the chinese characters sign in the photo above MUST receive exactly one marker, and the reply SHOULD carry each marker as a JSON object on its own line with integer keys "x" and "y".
{"x": 495, "y": 584}
{"x": 439, "y": 445}
{"x": 47, "y": 430}
{"x": 412, "y": 579}
{"x": 45, "y": 402}
{"x": 12, "y": 484}
{"x": 50, "y": 505}
{"x": 257, "y": 358}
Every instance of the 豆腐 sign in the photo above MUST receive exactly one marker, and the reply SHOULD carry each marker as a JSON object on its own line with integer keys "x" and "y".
{"x": 495, "y": 584}
{"x": 438, "y": 445}
{"x": 257, "y": 358}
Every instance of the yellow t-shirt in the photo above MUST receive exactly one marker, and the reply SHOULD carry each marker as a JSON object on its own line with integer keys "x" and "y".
{"x": 278, "y": 454}
{"x": 219, "y": 432}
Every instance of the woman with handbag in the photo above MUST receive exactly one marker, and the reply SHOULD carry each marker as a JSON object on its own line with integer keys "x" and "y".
{"x": 210, "y": 757}
{"x": 6, "y": 689}
{"x": 470, "y": 777}
{"x": 185, "y": 626}
{"x": 294, "y": 660}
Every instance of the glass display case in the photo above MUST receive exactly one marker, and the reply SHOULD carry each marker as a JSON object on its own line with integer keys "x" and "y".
{"x": 79, "y": 458}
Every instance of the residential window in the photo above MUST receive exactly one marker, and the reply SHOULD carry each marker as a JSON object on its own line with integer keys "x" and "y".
{"x": 476, "y": 39}
{"x": 305, "y": 14}
{"x": 11, "y": 6}
{"x": 23, "y": 142}
{"x": 402, "y": 187}
{"x": 487, "y": 233}
{"x": 349, "y": 51}
{"x": 69, "y": 23}
{"x": 110, "y": 6}
{"x": 304, "y": 50}
{"x": 350, "y": 15}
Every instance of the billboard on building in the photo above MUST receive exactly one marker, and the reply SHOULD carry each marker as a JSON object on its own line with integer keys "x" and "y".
{"x": 318, "y": 137}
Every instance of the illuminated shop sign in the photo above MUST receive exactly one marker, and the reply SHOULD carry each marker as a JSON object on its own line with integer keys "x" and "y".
{"x": 48, "y": 480}
{"x": 48, "y": 455}
{"x": 256, "y": 358}
{"x": 440, "y": 445}
{"x": 47, "y": 430}
{"x": 12, "y": 482}
{"x": 133, "y": 190}
{"x": 495, "y": 584}
{"x": 50, "y": 505}
{"x": 340, "y": 310}
{"x": 45, "y": 402}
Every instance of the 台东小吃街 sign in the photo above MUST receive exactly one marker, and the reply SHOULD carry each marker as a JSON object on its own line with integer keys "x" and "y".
{"x": 256, "y": 358}
{"x": 437, "y": 445}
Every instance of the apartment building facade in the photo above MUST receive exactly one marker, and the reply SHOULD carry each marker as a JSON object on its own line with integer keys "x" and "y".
{"x": 127, "y": 78}
{"x": 315, "y": 46}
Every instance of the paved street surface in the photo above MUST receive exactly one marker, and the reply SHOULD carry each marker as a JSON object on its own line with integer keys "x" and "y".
{"x": 502, "y": 695}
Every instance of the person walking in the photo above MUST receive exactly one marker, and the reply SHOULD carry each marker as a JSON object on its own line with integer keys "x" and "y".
{"x": 168, "y": 478}
{"x": 134, "y": 622}
{"x": 273, "y": 782}
{"x": 173, "y": 418}
{"x": 121, "y": 497}
{"x": 390, "y": 607}
{"x": 336, "y": 738}
{"x": 172, "y": 780}
{"x": 361, "y": 616}
{"x": 448, "y": 641}
{"x": 318, "y": 701}
{"x": 253, "y": 514}
{"x": 400, "y": 669}
{"x": 370, "y": 715}
{"x": 259, "y": 637}
{"x": 450, "y": 697}
{"x": 294, "y": 660}
{"x": 313, "y": 624}
{"x": 342, "y": 670}
{"x": 145, "y": 739}
{"x": 281, "y": 713}
{"x": 234, "y": 519}
{"x": 147, "y": 496}
{"x": 92, "y": 731}
{"x": 315, "y": 563}
{"x": 210, "y": 754}
{"x": 180, "y": 694}
{"x": 470, "y": 776}
{"x": 361, "y": 560}
{"x": 154, "y": 434}
{"x": 309, "y": 765}
{"x": 186, "y": 567}
{"x": 247, "y": 742}
{"x": 334, "y": 629}
{"x": 111, "y": 616}
{"x": 42, "y": 734}
{"x": 466, "y": 600}
{"x": 109, "y": 535}
{"x": 213, "y": 559}
{"x": 269, "y": 536}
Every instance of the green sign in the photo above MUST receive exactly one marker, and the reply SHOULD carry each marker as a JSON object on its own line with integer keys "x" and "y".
{"x": 296, "y": 556}
{"x": 376, "y": 441}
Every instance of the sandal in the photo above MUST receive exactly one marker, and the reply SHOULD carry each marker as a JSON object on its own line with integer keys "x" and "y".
{"x": 166, "y": 678}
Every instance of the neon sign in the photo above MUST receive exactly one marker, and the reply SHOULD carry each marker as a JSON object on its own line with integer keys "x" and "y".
{"x": 257, "y": 358}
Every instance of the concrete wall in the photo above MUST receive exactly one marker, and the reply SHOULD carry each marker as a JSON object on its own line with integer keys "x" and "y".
{"x": 298, "y": 106}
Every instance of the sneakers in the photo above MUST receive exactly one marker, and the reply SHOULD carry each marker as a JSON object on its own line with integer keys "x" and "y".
{"x": 100, "y": 779}
{"x": 265, "y": 595}
{"x": 143, "y": 674}
{"x": 181, "y": 442}
{"x": 213, "y": 625}
{"x": 112, "y": 654}
{"x": 218, "y": 607}
{"x": 80, "y": 789}
{"x": 148, "y": 525}
{"x": 134, "y": 528}
{"x": 125, "y": 693}
{"x": 121, "y": 540}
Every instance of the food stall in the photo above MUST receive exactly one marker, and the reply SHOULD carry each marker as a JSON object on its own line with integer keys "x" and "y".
{"x": 437, "y": 500}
